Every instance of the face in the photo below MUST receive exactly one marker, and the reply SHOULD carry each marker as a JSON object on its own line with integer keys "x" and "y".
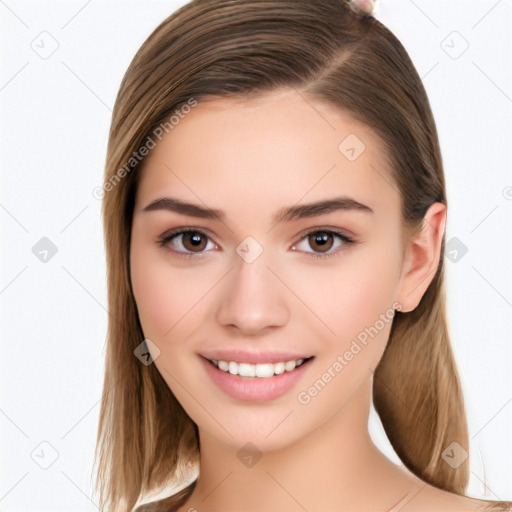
{"x": 256, "y": 302}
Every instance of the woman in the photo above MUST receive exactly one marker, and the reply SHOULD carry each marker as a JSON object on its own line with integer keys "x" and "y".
{"x": 274, "y": 218}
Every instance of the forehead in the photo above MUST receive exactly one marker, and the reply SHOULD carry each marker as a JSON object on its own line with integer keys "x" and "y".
{"x": 277, "y": 148}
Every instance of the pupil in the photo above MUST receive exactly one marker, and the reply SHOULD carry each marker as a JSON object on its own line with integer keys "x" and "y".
{"x": 194, "y": 240}
{"x": 322, "y": 240}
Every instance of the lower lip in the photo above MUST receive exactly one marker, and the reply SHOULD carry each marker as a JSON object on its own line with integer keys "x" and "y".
{"x": 255, "y": 388}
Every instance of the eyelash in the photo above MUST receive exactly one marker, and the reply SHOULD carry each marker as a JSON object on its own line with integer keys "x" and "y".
{"x": 167, "y": 237}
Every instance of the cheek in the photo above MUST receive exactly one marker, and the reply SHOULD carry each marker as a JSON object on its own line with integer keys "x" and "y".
{"x": 351, "y": 295}
{"x": 165, "y": 296}
{"x": 356, "y": 303}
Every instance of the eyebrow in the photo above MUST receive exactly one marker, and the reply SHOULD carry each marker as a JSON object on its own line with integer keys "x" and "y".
{"x": 283, "y": 215}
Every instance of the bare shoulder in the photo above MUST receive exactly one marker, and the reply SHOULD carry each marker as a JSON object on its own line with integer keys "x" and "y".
{"x": 427, "y": 498}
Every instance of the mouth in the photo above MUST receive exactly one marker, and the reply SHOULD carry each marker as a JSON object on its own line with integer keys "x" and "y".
{"x": 259, "y": 370}
{"x": 262, "y": 381}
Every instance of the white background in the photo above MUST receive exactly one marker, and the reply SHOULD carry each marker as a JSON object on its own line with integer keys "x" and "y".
{"x": 55, "y": 120}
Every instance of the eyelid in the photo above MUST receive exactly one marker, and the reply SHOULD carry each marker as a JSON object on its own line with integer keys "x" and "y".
{"x": 329, "y": 229}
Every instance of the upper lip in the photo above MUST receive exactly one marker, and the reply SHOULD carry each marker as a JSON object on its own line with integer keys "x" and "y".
{"x": 245, "y": 356}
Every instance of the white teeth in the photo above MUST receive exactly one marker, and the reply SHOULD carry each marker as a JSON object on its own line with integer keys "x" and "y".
{"x": 247, "y": 370}
{"x": 223, "y": 365}
{"x": 289, "y": 366}
{"x": 264, "y": 370}
{"x": 279, "y": 368}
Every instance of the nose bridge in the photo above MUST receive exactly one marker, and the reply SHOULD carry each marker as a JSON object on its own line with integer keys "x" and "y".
{"x": 254, "y": 298}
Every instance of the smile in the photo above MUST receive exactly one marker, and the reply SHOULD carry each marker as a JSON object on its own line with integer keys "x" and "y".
{"x": 262, "y": 370}
{"x": 256, "y": 381}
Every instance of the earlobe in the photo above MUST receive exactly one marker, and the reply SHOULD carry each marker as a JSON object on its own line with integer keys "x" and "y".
{"x": 421, "y": 259}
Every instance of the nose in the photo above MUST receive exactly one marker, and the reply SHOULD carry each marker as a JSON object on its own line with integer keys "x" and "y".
{"x": 253, "y": 299}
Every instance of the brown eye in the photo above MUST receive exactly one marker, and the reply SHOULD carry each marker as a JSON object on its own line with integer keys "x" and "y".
{"x": 321, "y": 241}
{"x": 187, "y": 242}
{"x": 194, "y": 241}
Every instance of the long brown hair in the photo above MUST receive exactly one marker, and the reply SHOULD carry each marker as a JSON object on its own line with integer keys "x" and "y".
{"x": 243, "y": 48}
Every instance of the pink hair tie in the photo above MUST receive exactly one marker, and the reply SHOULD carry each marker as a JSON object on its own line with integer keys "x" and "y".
{"x": 363, "y": 7}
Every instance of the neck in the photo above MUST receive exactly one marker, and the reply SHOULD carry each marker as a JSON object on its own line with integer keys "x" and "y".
{"x": 335, "y": 467}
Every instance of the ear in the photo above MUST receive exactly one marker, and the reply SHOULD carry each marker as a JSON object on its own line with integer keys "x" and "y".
{"x": 421, "y": 258}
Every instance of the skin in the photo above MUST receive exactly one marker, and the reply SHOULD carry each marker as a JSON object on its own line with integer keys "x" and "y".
{"x": 250, "y": 158}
